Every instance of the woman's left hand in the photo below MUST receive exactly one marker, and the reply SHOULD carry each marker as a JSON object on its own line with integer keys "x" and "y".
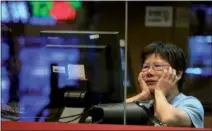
{"x": 167, "y": 80}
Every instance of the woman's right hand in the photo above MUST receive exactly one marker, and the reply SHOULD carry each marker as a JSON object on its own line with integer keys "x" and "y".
{"x": 145, "y": 94}
{"x": 145, "y": 91}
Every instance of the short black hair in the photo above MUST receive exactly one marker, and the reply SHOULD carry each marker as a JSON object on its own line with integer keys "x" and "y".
{"x": 173, "y": 54}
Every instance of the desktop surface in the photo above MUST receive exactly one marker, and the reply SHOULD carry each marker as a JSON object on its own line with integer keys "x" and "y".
{"x": 9, "y": 125}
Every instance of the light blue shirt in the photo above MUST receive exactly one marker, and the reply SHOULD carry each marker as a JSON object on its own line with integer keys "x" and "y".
{"x": 192, "y": 107}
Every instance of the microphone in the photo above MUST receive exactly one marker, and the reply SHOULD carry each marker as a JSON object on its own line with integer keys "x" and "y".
{"x": 136, "y": 113}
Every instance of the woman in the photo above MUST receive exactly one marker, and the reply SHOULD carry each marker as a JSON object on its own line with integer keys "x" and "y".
{"x": 161, "y": 81}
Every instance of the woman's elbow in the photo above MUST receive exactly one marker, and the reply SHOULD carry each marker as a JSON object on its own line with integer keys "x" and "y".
{"x": 176, "y": 120}
{"x": 168, "y": 120}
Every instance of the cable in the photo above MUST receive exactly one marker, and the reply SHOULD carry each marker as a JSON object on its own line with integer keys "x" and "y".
{"x": 70, "y": 116}
{"x": 71, "y": 120}
{"x": 78, "y": 116}
{"x": 152, "y": 119}
{"x": 97, "y": 122}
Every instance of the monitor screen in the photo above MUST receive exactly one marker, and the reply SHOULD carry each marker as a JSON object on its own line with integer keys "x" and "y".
{"x": 200, "y": 55}
{"x": 201, "y": 18}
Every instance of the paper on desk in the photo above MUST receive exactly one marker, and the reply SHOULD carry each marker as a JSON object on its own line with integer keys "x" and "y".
{"x": 59, "y": 69}
{"x": 76, "y": 71}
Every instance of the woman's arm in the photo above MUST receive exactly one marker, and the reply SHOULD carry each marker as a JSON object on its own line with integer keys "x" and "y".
{"x": 140, "y": 96}
{"x": 168, "y": 114}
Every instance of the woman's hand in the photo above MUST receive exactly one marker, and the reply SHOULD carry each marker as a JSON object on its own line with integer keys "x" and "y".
{"x": 145, "y": 94}
{"x": 145, "y": 91}
{"x": 167, "y": 80}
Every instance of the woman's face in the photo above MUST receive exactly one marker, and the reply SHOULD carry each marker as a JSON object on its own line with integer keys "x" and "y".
{"x": 152, "y": 70}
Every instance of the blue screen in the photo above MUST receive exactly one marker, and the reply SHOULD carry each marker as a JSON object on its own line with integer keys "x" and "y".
{"x": 5, "y": 83}
{"x": 36, "y": 69}
{"x": 36, "y": 61}
{"x": 122, "y": 52}
{"x": 200, "y": 55}
{"x": 4, "y": 51}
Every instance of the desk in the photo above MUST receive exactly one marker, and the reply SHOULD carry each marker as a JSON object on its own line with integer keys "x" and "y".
{"x": 27, "y": 126}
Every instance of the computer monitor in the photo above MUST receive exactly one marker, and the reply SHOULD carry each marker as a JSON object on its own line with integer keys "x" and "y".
{"x": 96, "y": 59}
{"x": 200, "y": 18}
{"x": 200, "y": 56}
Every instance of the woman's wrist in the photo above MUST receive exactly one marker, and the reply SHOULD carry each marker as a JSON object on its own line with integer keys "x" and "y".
{"x": 144, "y": 96}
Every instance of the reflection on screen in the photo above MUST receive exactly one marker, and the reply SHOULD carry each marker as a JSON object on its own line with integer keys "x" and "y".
{"x": 4, "y": 86}
{"x": 201, "y": 18}
{"x": 63, "y": 57}
{"x": 122, "y": 51}
{"x": 36, "y": 60}
{"x": 5, "y": 83}
{"x": 4, "y": 51}
{"x": 200, "y": 55}
{"x": 36, "y": 66}
{"x": 35, "y": 74}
